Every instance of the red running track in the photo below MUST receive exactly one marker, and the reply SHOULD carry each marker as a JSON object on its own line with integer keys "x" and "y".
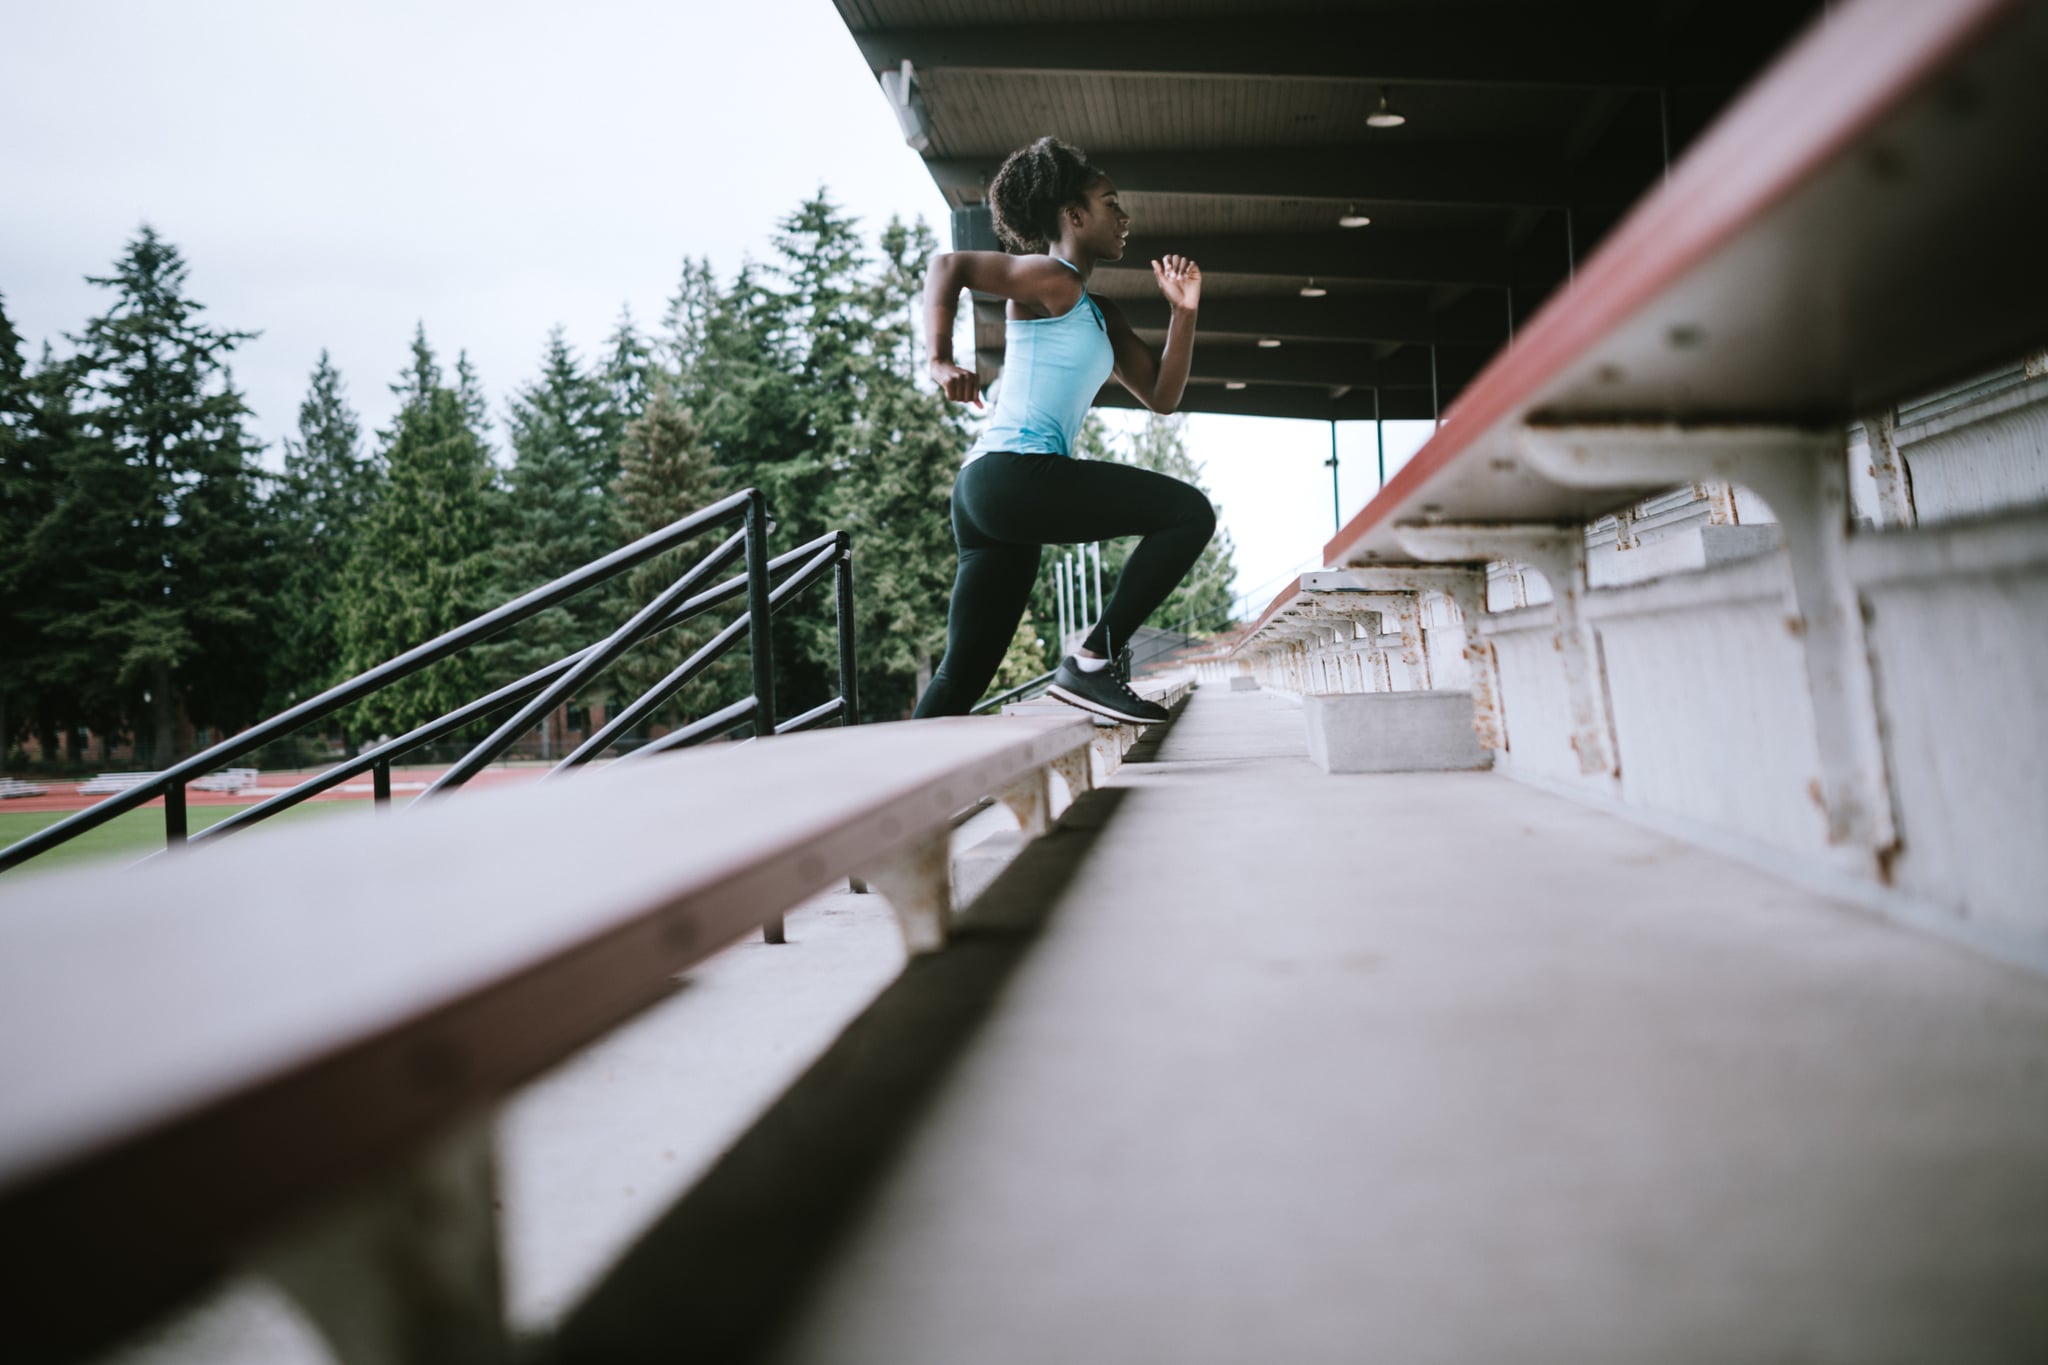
{"x": 65, "y": 796}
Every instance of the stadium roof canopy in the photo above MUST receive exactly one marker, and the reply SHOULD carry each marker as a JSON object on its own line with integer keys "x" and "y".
{"x": 1241, "y": 131}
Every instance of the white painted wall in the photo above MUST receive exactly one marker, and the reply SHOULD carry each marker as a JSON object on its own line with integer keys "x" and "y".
{"x": 1703, "y": 669}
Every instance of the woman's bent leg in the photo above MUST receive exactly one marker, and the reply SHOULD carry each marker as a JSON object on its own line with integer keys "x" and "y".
{"x": 1052, "y": 499}
{"x": 989, "y": 592}
{"x": 1156, "y": 567}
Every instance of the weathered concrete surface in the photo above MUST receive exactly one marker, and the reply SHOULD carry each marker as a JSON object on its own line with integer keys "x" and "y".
{"x": 1250, "y": 1063}
{"x": 1392, "y": 732}
{"x": 592, "y": 1154}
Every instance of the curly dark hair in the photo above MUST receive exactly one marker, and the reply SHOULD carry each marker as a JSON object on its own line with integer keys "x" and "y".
{"x": 1032, "y": 186}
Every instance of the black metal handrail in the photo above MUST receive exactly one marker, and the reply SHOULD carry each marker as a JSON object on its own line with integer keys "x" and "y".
{"x": 545, "y": 688}
{"x": 1017, "y": 693}
{"x": 380, "y": 758}
{"x": 837, "y": 552}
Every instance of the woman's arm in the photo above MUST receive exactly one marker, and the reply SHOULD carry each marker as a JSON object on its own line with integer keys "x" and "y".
{"x": 1158, "y": 379}
{"x": 1035, "y": 280}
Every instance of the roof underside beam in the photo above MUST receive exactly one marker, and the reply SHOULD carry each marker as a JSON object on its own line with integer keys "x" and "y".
{"x": 1366, "y": 255}
{"x": 1502, "y": 50}
{"x": 1318, "y": 405}
{"x": 1494, "y": 175}
{"x": 1335, "y": 365}
{"x": 1332, "y": 319}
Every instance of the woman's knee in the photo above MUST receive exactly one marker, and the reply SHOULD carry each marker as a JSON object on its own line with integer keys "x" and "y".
{"x": 1196, "y": 512}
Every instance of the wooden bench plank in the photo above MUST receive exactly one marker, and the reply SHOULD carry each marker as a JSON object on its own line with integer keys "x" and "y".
{"x": 183, "y": 1068}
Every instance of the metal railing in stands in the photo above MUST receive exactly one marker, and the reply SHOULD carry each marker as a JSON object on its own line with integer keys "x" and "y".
{"x": 544, "y": 689}
{"x": 1017, "y": 693}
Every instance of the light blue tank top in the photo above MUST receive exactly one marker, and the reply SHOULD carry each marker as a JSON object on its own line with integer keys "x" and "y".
{"x": 1052, "y": 369}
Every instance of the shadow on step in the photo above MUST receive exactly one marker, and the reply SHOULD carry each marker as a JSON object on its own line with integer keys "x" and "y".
{"x": 721, "y": 1275}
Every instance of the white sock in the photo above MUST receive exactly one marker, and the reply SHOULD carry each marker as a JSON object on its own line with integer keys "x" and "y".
{"x": 1088, "y": 665}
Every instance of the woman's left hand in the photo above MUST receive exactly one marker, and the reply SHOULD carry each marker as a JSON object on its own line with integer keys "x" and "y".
{"x": 1180, "y": 279}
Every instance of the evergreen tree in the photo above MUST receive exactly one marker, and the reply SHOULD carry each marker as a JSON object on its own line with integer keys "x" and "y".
{"x": 27, "y": 495}
{"x": 177, "y": 561}
{"x": 894, "y": 469}
{"x": 469, "y": 397}
{"x": 824, "y": 322}
{"x": 330, "y": 484}
{"x": 668, "y": 472}
{"x": 13, "y": 376}
{"x": 420, "y": 565}
{"x": 829, "y": 314}
{"x": 686, "y": 326}
{"x": 564, "y": 459}
{"x": 626, "y": 374}
{"x": 65, "y": 487}
{"x": 743, "y": 387}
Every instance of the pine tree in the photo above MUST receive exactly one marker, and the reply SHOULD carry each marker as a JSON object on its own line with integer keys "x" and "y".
{"x": 421, "y": 564}
{"x": 668, "y": 472}
{"x": 68, "y": 489}
{"x": 741, "y": 383}
{"x": 330, "y": 484}
{"x": 824, "y": 324}
{"x": 686, "y": 326}
{"x": 743, "y": 386}
{"x": 564, "y": 459}
{"x": 626, "y": 373}
{"x": 27, "y": 495}
{"x": 178, "y": 558}
{"x": 894, "y": 468}
{"x": 469, "y": 397}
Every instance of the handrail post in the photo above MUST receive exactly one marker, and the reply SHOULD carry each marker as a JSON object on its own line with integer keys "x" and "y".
{"x": 176, "y": 825}
{"x": 842, "y": 582}
{"x": 849, "y": 682}
{"x": 759, "y": 611}
{"x": 380, "y": 784}
{"x": 760, "y": 622}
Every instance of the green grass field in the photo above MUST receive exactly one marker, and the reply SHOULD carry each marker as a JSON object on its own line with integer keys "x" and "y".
{"x": 136, "y": 833}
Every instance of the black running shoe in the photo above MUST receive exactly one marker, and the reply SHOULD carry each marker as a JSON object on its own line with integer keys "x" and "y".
{"x": 1123, "y": 663}
{"x": 1104, "y": 694}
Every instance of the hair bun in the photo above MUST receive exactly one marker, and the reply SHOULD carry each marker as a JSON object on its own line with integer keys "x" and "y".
{"x": 1031, "y": 187}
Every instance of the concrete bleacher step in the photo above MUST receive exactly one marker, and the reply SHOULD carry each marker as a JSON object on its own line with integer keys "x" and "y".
{"x": 1246, "y": 1062}
{"x": 1112, "y": 739}
{"x": 227, "y": 1064}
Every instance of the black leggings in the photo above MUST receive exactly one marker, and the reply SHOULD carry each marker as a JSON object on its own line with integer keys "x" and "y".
{"x": 1006, "y": 506}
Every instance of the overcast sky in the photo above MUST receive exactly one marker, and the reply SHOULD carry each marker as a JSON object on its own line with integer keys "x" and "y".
{"x": 334, "y": 173}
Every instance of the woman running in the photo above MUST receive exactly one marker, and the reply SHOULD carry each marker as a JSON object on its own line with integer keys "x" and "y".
{"x": 1021, "y": 488}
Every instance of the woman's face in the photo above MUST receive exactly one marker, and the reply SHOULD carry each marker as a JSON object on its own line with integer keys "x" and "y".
{"x": 1103, "y": 224}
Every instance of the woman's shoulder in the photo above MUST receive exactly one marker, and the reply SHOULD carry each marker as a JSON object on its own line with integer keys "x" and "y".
{"x": 1057, "y": 289}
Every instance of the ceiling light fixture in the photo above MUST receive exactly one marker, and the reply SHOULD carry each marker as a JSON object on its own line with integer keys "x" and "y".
{"x": 1268, "y": 343}
{"x": 1384, "y": 116}
{"x": 1351, "y": 217}
{"x": 1233, "y": 384}
{"x": 1312, "y": 290}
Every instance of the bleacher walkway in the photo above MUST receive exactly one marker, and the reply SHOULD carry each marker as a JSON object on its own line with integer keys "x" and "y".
{"x": 1246, "y": 1062}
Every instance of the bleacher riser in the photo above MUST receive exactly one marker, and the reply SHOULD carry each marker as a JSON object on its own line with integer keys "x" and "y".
{"x": 1702, "y": 676}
